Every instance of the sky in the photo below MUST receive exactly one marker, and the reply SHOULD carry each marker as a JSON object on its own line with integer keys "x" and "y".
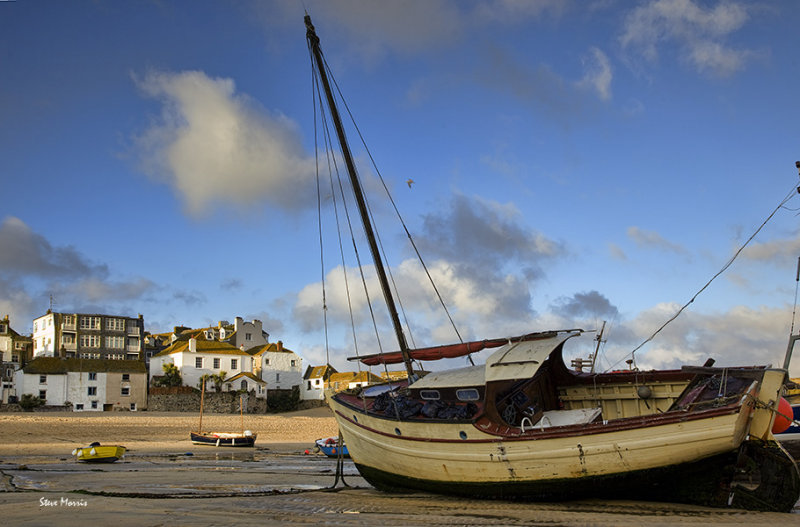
{"x": 571, "y": 162}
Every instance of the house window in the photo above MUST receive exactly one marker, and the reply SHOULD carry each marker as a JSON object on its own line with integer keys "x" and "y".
{"x": 90, "y": 322}
{"x": 126, "y": 377}
{"x": 198, "y": 362}
{"x": 133, "y": 407}
{"x": 126, "y": 390}
{"x": 42, "y": 379}
{"x": 92, "y": 390}
{"x": 293, "y": 363}
{"x": 94, "y": 405}
{"x": 243, "y": 385}
{"x": 79, "y": 407}
{"x": 248, "y": 336}
{"x": 216, "y": 363}
{"x": 277, "y": 377}
{"x": 316, "y": 382}
{"x": 69, "y": 320}
{"x": 115, "y": 324}
{"x": 309, "y": 385}
{"x": 266, "y": 362}
{"x": 68, "y": 338}
{"x": 117, "y": 342}
{"x": 92, "y": 376}
{"x": 234, "y": 364}
{"x": 90, "y": 341}
{"x": 18, "y": 345}
{"x": 3, "y": 329}
{"x": 43, "y": 394}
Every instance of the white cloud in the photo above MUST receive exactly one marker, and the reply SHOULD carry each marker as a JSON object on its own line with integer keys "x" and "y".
{"x": 652, "y": 239}
{"x": 598, "y": 74}
{"x": 699, "y": 32}
{"x": 214, "y": 146}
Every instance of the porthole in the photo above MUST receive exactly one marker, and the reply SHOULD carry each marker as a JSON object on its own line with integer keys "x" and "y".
{"x": 355, "y": 418}
{"x": 469, "y": 394}
{"x": 430, "y": 395}
{"x": 397, "y": 431}
{"x": 462, "y": 434}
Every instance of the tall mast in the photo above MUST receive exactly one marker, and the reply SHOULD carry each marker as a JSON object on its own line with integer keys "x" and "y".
{"x": 313, "y": 44}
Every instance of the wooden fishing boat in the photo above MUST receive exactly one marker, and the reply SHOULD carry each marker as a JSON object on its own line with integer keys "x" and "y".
{"x": 97, "y": 453}
{"x": 524, "y": 426}
{"x": 245, "y": 438}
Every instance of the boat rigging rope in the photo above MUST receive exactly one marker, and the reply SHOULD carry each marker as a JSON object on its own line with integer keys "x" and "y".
{"x": 791, "y": 194}
{"x": 319, "y": 214}
{"x": 397, "y": 211}
{"x": 333, "y": 168}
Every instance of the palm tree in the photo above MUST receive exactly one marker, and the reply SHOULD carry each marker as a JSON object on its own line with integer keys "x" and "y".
{"x": 218, "y": 379}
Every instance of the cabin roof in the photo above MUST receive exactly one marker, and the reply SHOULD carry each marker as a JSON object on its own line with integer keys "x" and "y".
{"x": 468, "y": 376}
{"x": 522, "y": 359}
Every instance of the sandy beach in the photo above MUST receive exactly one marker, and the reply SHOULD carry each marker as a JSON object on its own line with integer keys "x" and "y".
{"x": 49, "y": 433}
{"x": 165, "y": 480}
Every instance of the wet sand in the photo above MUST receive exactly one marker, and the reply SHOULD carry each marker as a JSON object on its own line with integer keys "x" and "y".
{"x": 165, "y": 480}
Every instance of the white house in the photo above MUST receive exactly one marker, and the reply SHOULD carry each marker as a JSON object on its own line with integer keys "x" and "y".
{"x": 280, "y": 367}
{"x": 88, "y": 384}
{"x": 242, "y": 333}
{"x": 315, "y": 381}
{"x": 195, "y": 356}
{"x": 248, "y": 382}
{"x": 14, "y": 351}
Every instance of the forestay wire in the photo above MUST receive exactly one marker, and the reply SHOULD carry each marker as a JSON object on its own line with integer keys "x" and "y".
{"x": 785, "y": 200}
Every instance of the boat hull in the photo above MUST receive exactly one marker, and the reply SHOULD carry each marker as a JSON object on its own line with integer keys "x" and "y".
{"x": 223, "y": 439}
{"x": 704, "y": 482}
{"x": 100, "y": 454}
{"x": 688, "y": 461}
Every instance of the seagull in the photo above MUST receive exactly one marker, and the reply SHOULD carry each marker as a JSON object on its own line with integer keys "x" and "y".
{"x": 410, "y": 182}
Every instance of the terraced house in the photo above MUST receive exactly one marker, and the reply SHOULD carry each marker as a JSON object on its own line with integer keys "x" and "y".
{"x": 88, "y": 336}
{"x": 85, "y": 384}
{"x": 196, "y": 355}
{"x": 15, "y": 350}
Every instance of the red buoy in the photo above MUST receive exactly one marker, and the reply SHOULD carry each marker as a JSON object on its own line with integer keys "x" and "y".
{"x": 783, "y": 419}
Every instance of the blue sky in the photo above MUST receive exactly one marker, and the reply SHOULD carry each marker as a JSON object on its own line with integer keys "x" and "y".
{"x": 573, "y": 162}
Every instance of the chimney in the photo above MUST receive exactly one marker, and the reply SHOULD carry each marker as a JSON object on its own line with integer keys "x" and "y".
{"x": 193, "y": 344}
{"x": 280, "y": 346}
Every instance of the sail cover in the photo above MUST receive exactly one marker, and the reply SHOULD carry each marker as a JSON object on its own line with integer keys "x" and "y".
{"x": 449, "y": 351}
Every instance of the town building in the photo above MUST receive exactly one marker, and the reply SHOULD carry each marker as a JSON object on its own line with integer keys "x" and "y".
{"x": 15, "y": 351}
{"x": 195, "y": 356}
{"x": 315, "y": 380}
{"x": 88, "y": 336}
{"x": 280, "y": 367}
{"x": 248, "y": 382}
{"x": 351, "y": 379}
{"x": 85, "y": 384}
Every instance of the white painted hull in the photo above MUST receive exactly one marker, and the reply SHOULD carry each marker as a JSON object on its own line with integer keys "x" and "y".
{"x": 435, "y": 452}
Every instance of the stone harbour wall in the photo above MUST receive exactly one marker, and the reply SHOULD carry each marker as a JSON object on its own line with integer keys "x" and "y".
{"x": 214, "y": 403}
